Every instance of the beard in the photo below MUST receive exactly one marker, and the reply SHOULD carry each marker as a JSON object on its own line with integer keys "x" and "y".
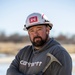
{"x": 38, "y": 41}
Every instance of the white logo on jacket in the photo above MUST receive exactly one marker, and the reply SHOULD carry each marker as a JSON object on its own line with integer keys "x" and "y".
{"x": 38, "y": 63}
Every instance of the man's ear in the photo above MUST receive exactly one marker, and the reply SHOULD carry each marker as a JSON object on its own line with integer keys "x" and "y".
{"x": 47, "y": 29}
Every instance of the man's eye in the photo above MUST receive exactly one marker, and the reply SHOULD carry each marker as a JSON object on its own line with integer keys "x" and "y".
{"x": 31, "y": 31}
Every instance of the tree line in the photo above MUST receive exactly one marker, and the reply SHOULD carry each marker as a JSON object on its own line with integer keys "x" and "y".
{"x": 13, "y": 38}
{"x": 17, "y": 38}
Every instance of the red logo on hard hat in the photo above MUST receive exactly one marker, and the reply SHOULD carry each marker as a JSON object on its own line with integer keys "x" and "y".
{"x": 42, "y": 16}
{"x": 33, "y": 19}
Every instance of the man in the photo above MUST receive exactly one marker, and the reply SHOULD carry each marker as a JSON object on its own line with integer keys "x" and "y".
{"x": 45, "y": 56}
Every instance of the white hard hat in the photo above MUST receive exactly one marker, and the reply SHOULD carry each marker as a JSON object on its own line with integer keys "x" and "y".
{"x": 37, "y": 19}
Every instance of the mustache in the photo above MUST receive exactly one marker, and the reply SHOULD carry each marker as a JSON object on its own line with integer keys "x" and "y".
{"x": 37, "y": 37}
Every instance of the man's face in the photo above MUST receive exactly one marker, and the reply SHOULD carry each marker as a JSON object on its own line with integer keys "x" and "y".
{"x": 38, "y": 35}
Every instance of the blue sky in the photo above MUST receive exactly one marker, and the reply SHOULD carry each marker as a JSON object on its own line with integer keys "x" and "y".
{"x": 61, "y": 13}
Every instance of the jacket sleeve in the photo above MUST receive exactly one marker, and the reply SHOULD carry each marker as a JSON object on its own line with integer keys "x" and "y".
{"x": 66, "y": 68}
{"x": 14, "y": 67}
{"x": 57, "y": 69}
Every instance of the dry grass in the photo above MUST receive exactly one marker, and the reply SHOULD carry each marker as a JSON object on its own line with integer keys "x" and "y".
{"x": 69, "y": 47}
{"x": 13, "y": 48}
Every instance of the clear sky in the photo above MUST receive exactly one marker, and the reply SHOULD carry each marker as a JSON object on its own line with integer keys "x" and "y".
{"x": 61, "y": 13}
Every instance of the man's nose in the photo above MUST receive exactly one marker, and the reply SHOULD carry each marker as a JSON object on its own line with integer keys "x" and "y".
{"x": 36, "y": 33}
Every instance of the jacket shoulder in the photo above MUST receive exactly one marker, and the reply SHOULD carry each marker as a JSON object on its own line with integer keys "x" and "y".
{"x": 25, "y": 51}
{"x": 61, "y": 54}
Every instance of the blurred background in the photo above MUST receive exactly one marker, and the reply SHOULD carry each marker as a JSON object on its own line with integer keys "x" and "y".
{"x": 13, "y": 14}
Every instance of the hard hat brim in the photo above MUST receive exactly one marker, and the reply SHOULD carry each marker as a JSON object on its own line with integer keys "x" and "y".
{"x": 47, "y": 24}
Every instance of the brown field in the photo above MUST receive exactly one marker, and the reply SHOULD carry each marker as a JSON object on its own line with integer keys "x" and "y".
{"x": 69, "y": 47}
{"x": 13, "y": 48}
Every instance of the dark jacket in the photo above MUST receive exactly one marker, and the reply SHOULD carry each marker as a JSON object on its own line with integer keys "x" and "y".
{"x": 31, "y": 62}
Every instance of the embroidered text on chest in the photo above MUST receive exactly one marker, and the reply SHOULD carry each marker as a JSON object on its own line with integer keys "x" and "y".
{"x": 38, "y": 63}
